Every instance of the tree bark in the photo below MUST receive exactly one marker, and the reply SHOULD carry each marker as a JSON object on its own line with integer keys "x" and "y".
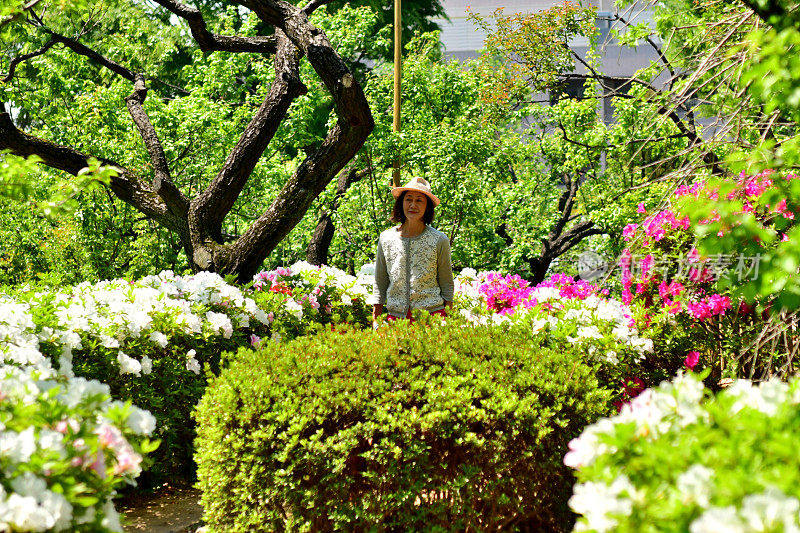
{"x": 208, "y": 210}
{"x": 346, "y": 137}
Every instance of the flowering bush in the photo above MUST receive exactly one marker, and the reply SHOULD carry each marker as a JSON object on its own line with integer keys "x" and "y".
{"x": 302, "y": 295}
{"x": 561, "y": 309}
{"x": 125, "y": 322}
{"x": 755, "y": 216}
{"x": 679, "y": 459}
{"x": 688, "y": 297}
{"x": 64, "y": 449}
{"x": 148, "y": 339}
{"x": 145, "y": 339}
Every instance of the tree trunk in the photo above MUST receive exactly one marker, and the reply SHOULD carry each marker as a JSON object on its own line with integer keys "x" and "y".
{"x": 317, "y": 251}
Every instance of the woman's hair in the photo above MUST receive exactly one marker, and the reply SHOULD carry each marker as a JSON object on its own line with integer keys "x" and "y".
{"x": 399, "y": 217}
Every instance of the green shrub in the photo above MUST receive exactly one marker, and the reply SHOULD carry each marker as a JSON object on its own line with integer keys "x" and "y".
{"x": 412, "y": 427}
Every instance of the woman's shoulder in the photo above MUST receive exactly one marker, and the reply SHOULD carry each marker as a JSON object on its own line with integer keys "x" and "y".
{"x": 438, "y": 234}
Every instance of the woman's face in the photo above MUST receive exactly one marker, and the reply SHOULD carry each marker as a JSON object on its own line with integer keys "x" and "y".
{"x": 414, "y": 204}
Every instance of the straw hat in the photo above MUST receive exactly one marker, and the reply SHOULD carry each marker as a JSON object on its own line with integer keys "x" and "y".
{"x": 419, "y": 185}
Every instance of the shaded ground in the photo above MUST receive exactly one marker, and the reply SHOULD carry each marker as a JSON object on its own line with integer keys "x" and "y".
{"x": 168, "y": 510}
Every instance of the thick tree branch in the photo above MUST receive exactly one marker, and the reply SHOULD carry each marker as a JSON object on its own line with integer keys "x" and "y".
{"x": 85, "y": 51}
{"x": 162, "y": 182}
{"x": 318, "y": 246}
{"x": 565, "y": 203}
{"x": 573, "y": 236}
{"x": 210, "y": 42}
{"x": 17, "y": 60}
{"x": 175, "y": 201}
{"x": 125, "y": 185}
{"x": 209, "y": 209}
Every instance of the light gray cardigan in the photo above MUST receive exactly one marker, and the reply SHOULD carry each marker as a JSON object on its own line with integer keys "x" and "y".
{"x": 423, "y": 282}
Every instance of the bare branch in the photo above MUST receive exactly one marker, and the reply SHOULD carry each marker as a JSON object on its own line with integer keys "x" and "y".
{"x": 162, "y": 183}
{"x": 17, "y": 60}
{"x": 210, "y": 42}
{"x": 652, "y": 43}
{"x": 313, "y": 5}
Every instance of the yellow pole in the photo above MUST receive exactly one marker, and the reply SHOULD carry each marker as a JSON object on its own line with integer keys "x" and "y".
{"x": 398, "y": 31}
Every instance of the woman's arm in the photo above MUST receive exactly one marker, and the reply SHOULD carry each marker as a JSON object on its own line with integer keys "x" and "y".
{"x": 444, "y": 271}
{"x": 380, "y": 285}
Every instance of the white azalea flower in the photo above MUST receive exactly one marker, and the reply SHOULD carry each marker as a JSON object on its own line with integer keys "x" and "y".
{"x": 772, "y": 510}
{"x": 694, "y": 485}
{"x": 159, "y": 338}
{"x": 128, "y": 365}
{"x": 147, "y": 365}
{"x": 294, "y": 308}
{"x": 220, "y": 322}
{"x": 193, "y": 365}
{"x": 141, "y": 421}
{"x": 17, "y": 447}
{"x": 718, "y": 520}
{"x": 599, "y": 503}
{"x": 767, "y": 398}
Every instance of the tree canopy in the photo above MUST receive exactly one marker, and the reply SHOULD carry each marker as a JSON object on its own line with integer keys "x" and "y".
{"x": 68, "y": 71}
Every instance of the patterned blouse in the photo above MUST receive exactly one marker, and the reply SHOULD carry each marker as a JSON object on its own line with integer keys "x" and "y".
{"x": 423, "y": 282}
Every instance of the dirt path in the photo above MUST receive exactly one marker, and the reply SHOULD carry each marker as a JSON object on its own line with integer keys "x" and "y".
{"x": 168, "y": 510}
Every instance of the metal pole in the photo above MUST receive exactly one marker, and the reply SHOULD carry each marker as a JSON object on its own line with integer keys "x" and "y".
{"x": 398, "y": 31}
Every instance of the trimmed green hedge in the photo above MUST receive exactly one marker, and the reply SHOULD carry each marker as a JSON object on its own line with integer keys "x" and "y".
{"x": 414, "y": 427}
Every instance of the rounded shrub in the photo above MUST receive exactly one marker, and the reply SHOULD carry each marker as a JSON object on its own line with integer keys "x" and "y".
{"x": 426, "y": 426}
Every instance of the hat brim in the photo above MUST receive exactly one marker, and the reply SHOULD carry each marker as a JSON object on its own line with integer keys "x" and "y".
{"x": 397, "y": 191}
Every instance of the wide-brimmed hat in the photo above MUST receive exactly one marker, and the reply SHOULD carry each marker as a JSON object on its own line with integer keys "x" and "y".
{"x": 419, "y": 185}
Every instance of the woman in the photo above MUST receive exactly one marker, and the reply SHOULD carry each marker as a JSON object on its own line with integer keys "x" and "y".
{"x": 412, "y": 264}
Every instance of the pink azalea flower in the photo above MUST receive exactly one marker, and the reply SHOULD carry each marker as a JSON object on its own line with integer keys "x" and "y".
{"x": 719, "y": 304}
{"x": 629, "y": 231}
{"x": 692, "y": 358}
{"x": 641, "y": 209}
{"x": 647, "y": 265}
{"x": 698, "y": 310}
{"x": 683, "y": 190}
